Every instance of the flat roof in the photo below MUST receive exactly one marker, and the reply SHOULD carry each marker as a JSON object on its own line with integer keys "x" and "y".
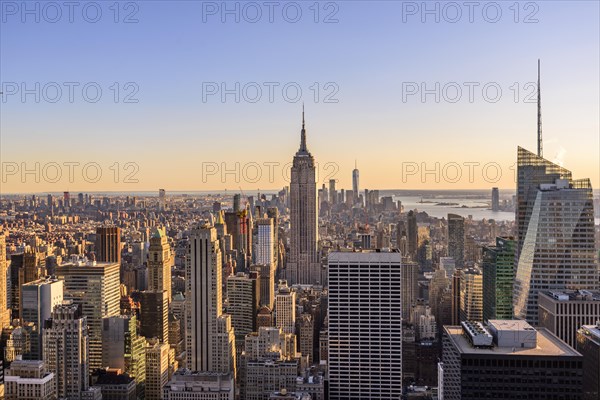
{"x": 365, "y": 257}
{"x": 572, "y": 295}
{"x": 547, "y": 345}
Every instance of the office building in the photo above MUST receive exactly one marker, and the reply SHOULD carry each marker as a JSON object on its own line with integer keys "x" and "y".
{"x": 448, "y": 264}
{"x": 364, "y": 292}
{"x": 412, "y": 234}
{"x": 192, "y": 385}
{"x": 306, "y": 333}
{"x": 115, "y": 386}
{"x": 563, "y": 312}
{"x": 456, "y": 239}
{"x": 66, "y": 350}
{"x": 555, "y": 233}
{"x": 498, "y": 277}
{"x": 157, "y": 369}
{"x": 243, "y": 302}
{"x": 495, "y": 199}
{"x": 154, "y": 315}
{"x": 123, "y": 348}
{"x": 95, "y": 288}
{"x": 508, "y": 359}
{"x": 588, "y": 344}
{"x": 159, "y": 263}
{"x": 285, "y": 309}
{"x": 265, "y": 259}
{"x": 29, "y": 380}
{"x": 410, "y": 286}
{"x": 303, "y": 264}
{"x": 38, "y": 300}
{"x": 471, "y": 295}
{"x": 108, "y": 244}
{"x": 355, "y": 188}
{"x": 210, "y": 343}
{"x": 4, "y": 310}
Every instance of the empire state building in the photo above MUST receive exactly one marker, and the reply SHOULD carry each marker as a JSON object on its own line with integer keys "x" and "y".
{"x": 303, "y": 265}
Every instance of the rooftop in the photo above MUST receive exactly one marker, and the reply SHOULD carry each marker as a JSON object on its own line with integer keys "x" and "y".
{"x": 547, "y": 345}
{"x": 572, "y": 295}
{"x": 591, "y": 331}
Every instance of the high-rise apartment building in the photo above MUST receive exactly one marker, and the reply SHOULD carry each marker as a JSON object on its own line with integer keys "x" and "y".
{"x": 555, "y": 228}
{"x": 303, "y": 263}
{"x": 498, "y": 277}
{"x": 38, "y": 300}
{"x": 159, "y": 263}
{"x": 364, "y": 292}
{"x": 210, "y": 337}
{"x": 108, "y": 244}
{"x": 456, "y": 239}
{"x": 95, "y": 288}
{"x": 66, "y": 351}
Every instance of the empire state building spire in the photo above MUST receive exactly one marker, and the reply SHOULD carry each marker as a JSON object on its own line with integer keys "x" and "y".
{"x": 303, "y": 134}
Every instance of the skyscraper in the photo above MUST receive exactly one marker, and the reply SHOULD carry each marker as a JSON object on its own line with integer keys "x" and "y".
{"x": 208, "y": 329}
{"x": 588, "y": 344}
{"x": 555, "y": 222}
{"x": 95, "y": 288}
{"x": 154, "y": 315}
{"x": 159, "y": 263}
{"x": 4, "y": 310}
{"x": 39, "y": 299}
{"x": 157, "y": 369}
{"x": 498, "y": 277}
{"x": 123, "y": 348}
{"x": 355, "y": 188}
{"x": 108, "y": 244}
{"x": 365, "y": 292}
{"x": 495, "y": 199}
{"x": 456, "y": 239}
{"x": 303, "y": 265}
{"x": 285, "y": 309}
{"x": 508, "y": 359}
{"x": 471, "y": 295}
{"x": 413, "y": 234}
{"x": 265, "y": 259}
{"x": 332, "y": 192}
{"x": 243, "y": 293}
{"x": 66, "y": 350}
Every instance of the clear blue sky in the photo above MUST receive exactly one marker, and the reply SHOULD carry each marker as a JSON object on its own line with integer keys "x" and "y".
{"x": 368, "y": 54}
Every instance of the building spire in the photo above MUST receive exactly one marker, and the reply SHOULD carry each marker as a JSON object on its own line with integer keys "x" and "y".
{"x": 539, "y": 116}
{"x": 303, "y": 133}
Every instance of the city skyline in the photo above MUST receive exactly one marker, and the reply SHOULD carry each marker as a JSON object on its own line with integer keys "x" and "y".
{"x": 368, "y": 106}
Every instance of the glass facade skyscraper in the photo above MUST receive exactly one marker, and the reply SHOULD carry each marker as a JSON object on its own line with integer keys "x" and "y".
{"x": 555, "y": 223}
{"x": 498, "y": 276}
